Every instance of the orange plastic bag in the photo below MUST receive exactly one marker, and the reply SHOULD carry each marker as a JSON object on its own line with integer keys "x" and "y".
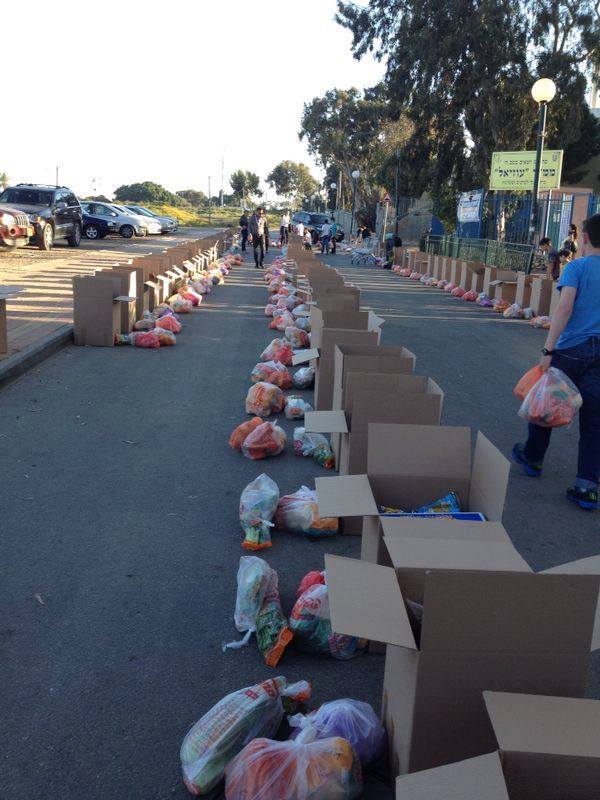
{"x": 272, "y": 372}
{"x": 528, "y": 381}
{"x": 264, "y": 399}
{"x": 169, "y": 323}
{"x": 239, "y": 434}
{"x": 552, "y": 402}
{"x": 265, "y": 440}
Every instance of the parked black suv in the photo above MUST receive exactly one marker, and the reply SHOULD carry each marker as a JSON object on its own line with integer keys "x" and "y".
{"x": 53, "y": 211}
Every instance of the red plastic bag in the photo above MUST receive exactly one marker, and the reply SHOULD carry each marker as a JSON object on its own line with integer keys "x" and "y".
{"x": 272, "y": 372}
{"x": 278, "y": 350}
{"x": 528, "y": 381}
{"x": 147, "y": 339}
{"x": 553, "y": 401}
{"x": 239, "y": 434}
{"x": 264, "y": 399}
{"x": 169, "y": 323}
{"x": 266, "y": 440}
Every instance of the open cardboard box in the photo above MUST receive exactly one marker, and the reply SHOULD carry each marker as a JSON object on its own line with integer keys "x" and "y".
{"x": 322, "y": 359}
{"x": 374, "y": 397}
{"x": 541, "y": 295}
{"x": 471, "y": 276}
{"x": 503, "y": 290}
{"x": 409, "y": 466}
{"x": 352, "y": 320}
{"x": 125, "y": 285}
{"x": 502, "y": 629}
{"x": 523, "y": 295}
{"x": 548, "y": 749}
{"x": 495, "y": 274}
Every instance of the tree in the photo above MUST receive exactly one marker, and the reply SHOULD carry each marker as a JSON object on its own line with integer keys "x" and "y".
{"x": 462, "y": 70}
{"x": 147, "y": 192}
{"x": 4, "y": 180}
{"x": 193, "y": 196}
{"x": 293, "y": 181}
{"x": 245, "y": 184}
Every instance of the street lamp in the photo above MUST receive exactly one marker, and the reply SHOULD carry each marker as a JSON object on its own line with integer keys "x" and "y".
{"x": 397, "y": 198}
{"x": 355, "y": 177}
{"x": 333, "y": 187}
{"x": 542, "y": 91}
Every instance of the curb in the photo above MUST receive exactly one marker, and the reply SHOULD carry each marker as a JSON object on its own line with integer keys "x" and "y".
{"x": 16, "y": 366}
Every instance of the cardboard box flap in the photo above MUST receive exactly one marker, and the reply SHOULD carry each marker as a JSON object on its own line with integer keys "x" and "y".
{"x": 419, "y": 451}
{"x": 302, "y": 356}
{"x": 365, "y": 601}
{"x": 560, "y": 726}
{"x": 325, "y": 422}
{"x": 125, "y": 298}
{"x": 479, "y": 778}
{"x": 375, "y": 322}
{"x": 455, "y": 554}
{"x": 345, "y": 496}
{"x": 415, "y": 528}
{"x": 489, "y": 480}
{"x": 585, "y": 566}
{"x": 508, "y": 612}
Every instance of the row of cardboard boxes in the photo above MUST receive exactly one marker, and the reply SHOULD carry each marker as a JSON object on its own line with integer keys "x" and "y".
{"x": 486, "y": 660}
{"x": 533, "y": 291}
{"x": 110, "y": 301}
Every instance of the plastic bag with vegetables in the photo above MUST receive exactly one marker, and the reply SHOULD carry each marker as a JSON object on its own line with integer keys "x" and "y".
{"x": 264, "y": 441}
{"x": 229, "y": 725}
{"x": 297, "y": 337}
{"x": 304, "y": 378}
{"x": 239, "y": 434}
{"x": 273, "y": 633}
{"x": 314, "y": 445}
{"x": 553, "y": 401}
{"x": 302, "y": 769}
{"x": 298, "y": 513}
{"x": 296, "y": 407}
{"x": 264, "y": 399}
{"x": 272, "y": 372}
{"x": 253, "y": 580}
{"x": 258, "y": 503}
{"x": 278, "y": 350}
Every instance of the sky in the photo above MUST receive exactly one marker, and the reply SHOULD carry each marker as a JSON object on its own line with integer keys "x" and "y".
{"x": 126, "y": 91}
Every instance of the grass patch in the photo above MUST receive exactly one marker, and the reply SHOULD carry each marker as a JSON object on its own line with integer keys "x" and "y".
{"x": 219, "y": 217}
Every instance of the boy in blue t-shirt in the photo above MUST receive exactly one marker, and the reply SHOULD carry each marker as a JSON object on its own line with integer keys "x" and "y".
{"x": 573, "y": 346}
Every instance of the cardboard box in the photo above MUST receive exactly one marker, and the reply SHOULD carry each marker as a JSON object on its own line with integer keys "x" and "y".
{"x": 97, "y": 309}
{"x": 502, "y": 629}
{"x": 495, "y": 274}
{"x": 323, "y": 359}
{"x": 446, "y": 268}
{"x": 503, "y": 290}
{"x": 471, "y": 272}
{"x": 351, "y": 320}
{"x": 125, "y": 285}
{"x": 523, "y": 296}
{"x": 541, "y": 295}
{"x": 554, "y": 299}
{"x": 338, "y": 302}
{"x": 375, "y": 397}
{"x": 549, "y": 749}
{"x": 409, "y": 466}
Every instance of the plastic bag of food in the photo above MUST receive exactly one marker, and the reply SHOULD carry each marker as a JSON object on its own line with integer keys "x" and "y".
{"x": 540, "y": 322}
{"x": 500, "y": 306}
{"x": 145, "y": 324}
{"x": 258, "y": 504}
{"x": 470, "y": 296}
{"x": 239, "y": 434}
{"x": 253, "y": 580}
{"x": 162, "y": 309}
{"x": 304, "y": 324}
{"x": 228, "y": 726}
{"x": 353, "y": 720}
{"x": 169, "y": 323}
{"x": 404, "y": 272}
{"x": 263, "y": 399}
{"x": 449, "y": 287}
{"x": 301, "y": 311}
{"x": 147, "y": 339}
{"x": 264, "y": 441}
{"x": 304, "y": 378}
{"x": 300, "y": 769}
{"x": 450, "y": 504}
{"x": 296, "y": 407}
{"x": 165, "y": 337}
{"x": 553, "y": 401}
{"x": 297, "y": 337}
{"x": 514, "y": 311}
{"x": 528, "y": 313}
{"x": 182, "y": 306}
{"x": 278, "y": 350}
{"x": 310, "y": 623}
{"x": 311, "y": 578}
{"x": 314, "y": 445}
{"x": 458, "y": 291}
{"x": 272, "y": 372}
{"x": 298, "y": 513}
{"x": 269, "y": 309}
{"x": 442, "y": 284}
{"x": 194, "y": 298}
{"x": 281, "y": 322}
{"x": 484, "y": 301}
{"x": 273, "y": 633}
{"x": 528, "y": 381}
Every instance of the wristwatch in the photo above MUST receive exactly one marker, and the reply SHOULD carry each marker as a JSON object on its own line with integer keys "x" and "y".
{"x": 547, "y": 352}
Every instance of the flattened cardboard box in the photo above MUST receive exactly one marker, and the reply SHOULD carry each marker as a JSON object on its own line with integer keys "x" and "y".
{"x": 409, "y": 466}
{"x": 508, "y": 631}
{"x": 374, "y": 397}
{"x": 549, "y": 749}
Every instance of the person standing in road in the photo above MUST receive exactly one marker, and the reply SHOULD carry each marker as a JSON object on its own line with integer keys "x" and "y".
{"x": 244, "y": 229}
{"x": 552, "y": 258}
{"x": 333, "y": 233}
{"x": 300, "y": 229}
{"x": 325, "y": 236}
{"x": 573, "y": 346}
{"x": 571, "y": 243}
{"x": 260, "y": 235}
{"x": 284, "y": 228}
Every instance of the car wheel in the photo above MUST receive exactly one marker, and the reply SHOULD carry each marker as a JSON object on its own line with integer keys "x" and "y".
{"x": 142, "y": 232}
{"x": 92, "y": 232}
{"x": 127, "y": 231}
{"x": 74, "y": 240}
{"x": 47, "y": 238}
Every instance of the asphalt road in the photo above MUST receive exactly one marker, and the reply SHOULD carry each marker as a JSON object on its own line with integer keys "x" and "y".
{"x": 120, "y": 533}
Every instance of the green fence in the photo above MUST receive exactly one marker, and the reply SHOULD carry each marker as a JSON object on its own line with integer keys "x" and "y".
{"x": 506, "y": 255}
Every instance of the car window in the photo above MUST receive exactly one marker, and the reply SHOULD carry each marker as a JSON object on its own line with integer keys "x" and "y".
{"x": 72, "y": 200}
{"x": 87, "y": 208}
{"x": 103, "y": 211}
{"x": 318, "y": 219}
{"x": 27, "y": 197}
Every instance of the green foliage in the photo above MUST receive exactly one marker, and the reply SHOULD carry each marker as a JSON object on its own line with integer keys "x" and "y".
{"x": 293, "y": 181}
{"x": 99, "y": 198}
{"x": 147, "y": 192}
{"x": 4, "y": 180}
{"x": 245, "y": 184}
{"x": 193, "y": 196}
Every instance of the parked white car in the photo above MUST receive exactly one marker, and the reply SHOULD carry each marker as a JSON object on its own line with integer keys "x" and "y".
{"x": 151, "y": 223}
{"x": 127, "y": 224}
{"x": 168, "y": 224}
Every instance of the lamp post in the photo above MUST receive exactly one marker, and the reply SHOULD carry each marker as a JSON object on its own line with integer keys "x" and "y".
{"x": 542, "y": 91}
{"x": 397, "y": 197}
{"x": 355, "y": 177}
{"x": 333, "y": 187}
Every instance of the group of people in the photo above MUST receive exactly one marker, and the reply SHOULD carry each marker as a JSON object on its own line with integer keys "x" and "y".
{"x": 257, "y": 229}
{"x": 555, "y": 260}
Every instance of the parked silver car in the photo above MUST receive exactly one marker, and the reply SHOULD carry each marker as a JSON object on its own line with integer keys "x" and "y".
{"x": 127, "y": 224}
{"x": 168, "y": 224}
{"x": 151, "y": 224}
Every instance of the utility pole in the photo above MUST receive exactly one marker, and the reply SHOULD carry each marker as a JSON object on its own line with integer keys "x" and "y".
{"x": 57, "y": 174}
{"x": 223, "y": 181}
{"x": 338, "y": 198}
{"x": 209, "y": 200}
{"x": 397, "y": 197}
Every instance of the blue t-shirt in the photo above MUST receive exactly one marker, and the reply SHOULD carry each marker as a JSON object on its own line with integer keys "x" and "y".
{"x": 584, "y": 275}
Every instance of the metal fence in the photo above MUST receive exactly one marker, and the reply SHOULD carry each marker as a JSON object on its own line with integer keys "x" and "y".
{"x": 506, "y": 255}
